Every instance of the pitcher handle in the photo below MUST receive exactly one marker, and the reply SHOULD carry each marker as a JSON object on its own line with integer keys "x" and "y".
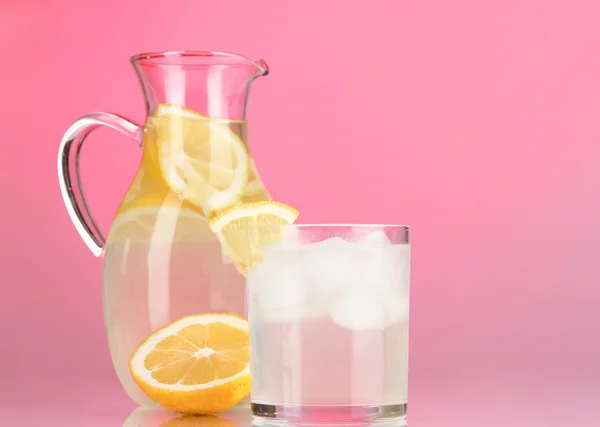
{"x": 70, "y": 179}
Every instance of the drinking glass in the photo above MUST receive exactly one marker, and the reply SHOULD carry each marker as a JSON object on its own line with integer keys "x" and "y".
{"x": 328, "y": 308}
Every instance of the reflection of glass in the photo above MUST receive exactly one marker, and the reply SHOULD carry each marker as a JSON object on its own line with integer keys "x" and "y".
{"x": 328, "y": 312}
{"x": 237, "y": 417}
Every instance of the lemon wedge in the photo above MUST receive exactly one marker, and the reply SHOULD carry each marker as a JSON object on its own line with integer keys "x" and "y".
{"x": 238, "y": 229}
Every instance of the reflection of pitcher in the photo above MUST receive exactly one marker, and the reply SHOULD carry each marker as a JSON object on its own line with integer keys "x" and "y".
{"x": 161, "y": 261}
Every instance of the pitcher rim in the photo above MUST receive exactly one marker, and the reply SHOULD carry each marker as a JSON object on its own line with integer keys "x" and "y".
{"x": 261, "y": 65}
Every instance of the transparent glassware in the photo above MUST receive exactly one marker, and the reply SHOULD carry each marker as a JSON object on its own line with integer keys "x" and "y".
{"x": 328, "y": 311}
{"x": 161, "y": 260}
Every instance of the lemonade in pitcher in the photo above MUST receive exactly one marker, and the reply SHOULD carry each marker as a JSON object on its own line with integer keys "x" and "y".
{"x": 176, "y": 254}
{"x": 160, "y": 234}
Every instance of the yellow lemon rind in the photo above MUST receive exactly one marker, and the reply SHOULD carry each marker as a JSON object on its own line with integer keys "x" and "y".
{"x": 210, "y": 398}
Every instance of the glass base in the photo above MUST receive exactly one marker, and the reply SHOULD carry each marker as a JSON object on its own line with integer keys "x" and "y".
{"x": 267, "y": 414}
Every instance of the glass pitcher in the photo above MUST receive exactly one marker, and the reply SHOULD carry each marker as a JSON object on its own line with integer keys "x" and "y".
{"x": 161, "y": 260}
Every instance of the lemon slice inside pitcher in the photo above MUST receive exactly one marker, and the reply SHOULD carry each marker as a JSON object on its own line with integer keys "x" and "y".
{"x": 200, "y": 158}
{"x": 198, "y": 364}
{"x": 160, "y": 218}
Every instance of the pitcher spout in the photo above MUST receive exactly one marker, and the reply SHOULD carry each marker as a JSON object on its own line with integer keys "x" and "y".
{"x": 262, "y": 67}
{"x": 214, "y": 83}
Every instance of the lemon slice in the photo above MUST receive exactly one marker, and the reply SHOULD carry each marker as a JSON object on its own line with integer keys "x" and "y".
{"x": 158, "y": 219}
{"x": 196, "y": 365}
{"x": 254, "y": 188}
{"x": 241, "y": 238}
{"x": 218, "y": 176}
{"x": 186, "y": 142}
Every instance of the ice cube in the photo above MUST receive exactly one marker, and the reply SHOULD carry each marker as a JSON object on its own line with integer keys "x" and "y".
{"x": 377, "y": 273}
{"x": 332, "y": 264}
{"x": 276, "y": 282}
{"x": 386, "y": 267}
{"x": 377, "y": 261}
{"x": 295, "y": 314}
{"x": 290, "y": 236}
{"x": 376, "y": 238}
{"x": 359, "y": 311}
{"x": 284, "y": 291}
{"x": 397, "y": 309}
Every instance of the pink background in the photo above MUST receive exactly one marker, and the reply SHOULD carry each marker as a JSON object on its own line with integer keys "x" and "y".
{"x": 475, "y": 122}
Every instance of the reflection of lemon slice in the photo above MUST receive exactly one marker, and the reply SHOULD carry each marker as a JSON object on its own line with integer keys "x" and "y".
{"x": 237, "y": 229}
{"x": 198, "y": 421}
{"x": 195, "y": 365}
{"x": 186, "y": 142}
{"x": 160, "y": 219}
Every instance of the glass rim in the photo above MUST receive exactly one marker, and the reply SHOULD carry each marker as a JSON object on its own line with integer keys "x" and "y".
{"x": 398, "y": 234}
{"x": 338, "y": 225}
